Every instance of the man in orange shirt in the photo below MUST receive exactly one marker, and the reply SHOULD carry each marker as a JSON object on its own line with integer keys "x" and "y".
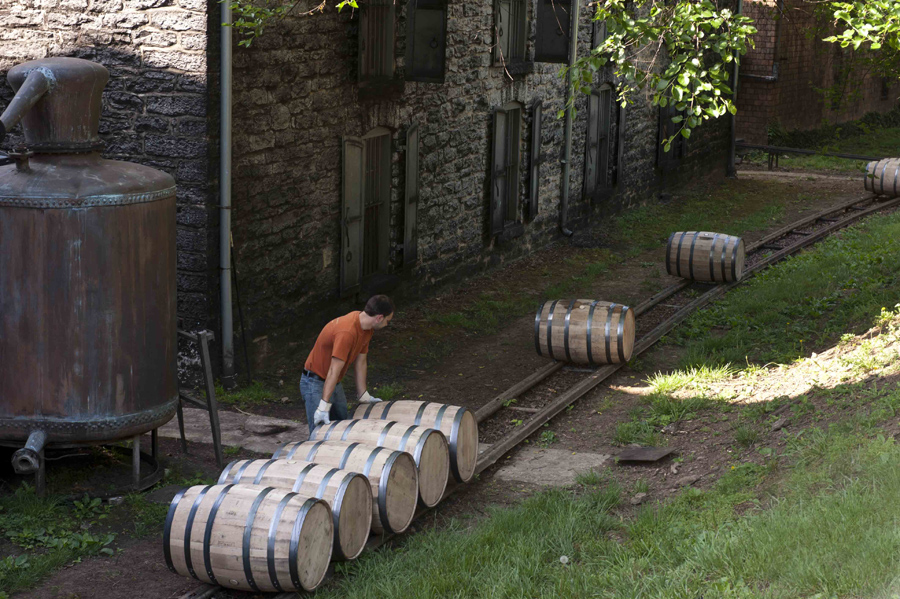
{"x": 342, "y": 342}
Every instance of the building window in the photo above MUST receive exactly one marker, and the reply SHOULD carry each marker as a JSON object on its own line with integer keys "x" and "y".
{"x": 668, "y": 128}
{"x": 510, "y": 31}
{"x": 506, "y": 157}
{"x": 554, "y": 20}
{"x": 599, "y": 171}
{"x": 426, "y": 40}
{"x": 376, "y": 39}
{"x": 365, "y": 211}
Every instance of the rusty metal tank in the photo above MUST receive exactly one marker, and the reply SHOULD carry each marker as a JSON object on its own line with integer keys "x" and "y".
{"x": 87, "y": 273}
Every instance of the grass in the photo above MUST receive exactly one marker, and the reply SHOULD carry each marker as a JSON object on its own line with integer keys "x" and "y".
{"x": 825, "y": 528}
{"x": 636, "y": 431}
{"x": 47, "y": 534}
{"x": 254, "y": 394}
{"x": 808, "y": 302}
{"x": 679, "y": 379}
{"x": 388, "y": 392}
{"x": 736, "y": 208}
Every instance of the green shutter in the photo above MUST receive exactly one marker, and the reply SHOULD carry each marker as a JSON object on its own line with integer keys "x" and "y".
{"x": 503, "y": 30}
{"x": 388, "y": 68}
{"x": 410, "y": 234}
{"x": 604, "y": 128}
{"x": 363, "y": 53}
{"x": 535, "y": 166}
{"x": 592, "y": 146}
{"x": 513, "y": 160}
{"x": 351, "y": 215}
{"x": 499, "y": 180}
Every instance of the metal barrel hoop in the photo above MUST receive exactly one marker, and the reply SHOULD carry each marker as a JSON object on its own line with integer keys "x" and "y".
{"x": 609, "y": 313}
{"x": 566, "y": 330}
{"x": 248, "y": 529}
{"x": 301, "y": 477}
{"x": 346, "y": 456}
{"x": 590, "y": 326}
{"x": 262, "y": 471}
{"x": 420, "y": 412}
{"x": 270, "y": 544}
{"x": 712, "y": 253}
{"x": 678, "y": 254}
{"x": 550, "y": 329}
{"x": 620, "y": 335}
{"x": 188, "y": 529}
{"x": 167, "y": 531}
{"x": 207, "y": 534}
{"x": 691, "y": 256}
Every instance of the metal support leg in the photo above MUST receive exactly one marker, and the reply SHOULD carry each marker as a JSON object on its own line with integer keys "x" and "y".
{"x": 212, "y": 405}
{"x": 136, "y": 462}
{"x": 40, "y": 476}
{"x": 180, "y": 414}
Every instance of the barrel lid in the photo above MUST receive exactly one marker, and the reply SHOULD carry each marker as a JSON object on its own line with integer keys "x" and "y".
{"x": 67, "y": 117}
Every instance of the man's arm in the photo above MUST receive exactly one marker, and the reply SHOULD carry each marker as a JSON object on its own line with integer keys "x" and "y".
{"x": 331, "y": 380}
{"x": 361, "y": 368}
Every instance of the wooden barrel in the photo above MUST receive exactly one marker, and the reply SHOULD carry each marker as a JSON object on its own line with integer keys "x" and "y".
{"x": 392, "y": 476}
{"x": 457, "y": 423}
{"x": 249, "y": 537}
{"x": 427, "y": 446}
{"x": 348, "y": 494}
{"x": 704, "y": 256}
{"x": 883, "y": 177}
{"x": 584, "y": 331}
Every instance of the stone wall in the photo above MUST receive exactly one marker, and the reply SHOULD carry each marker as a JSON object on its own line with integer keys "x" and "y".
{"x": 156, "y": 108}
{"x": 805, "y": 64}
{"x": 296, "y": 95}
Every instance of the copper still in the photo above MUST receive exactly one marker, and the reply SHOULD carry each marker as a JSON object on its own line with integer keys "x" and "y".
{"x": 87, "y": 273}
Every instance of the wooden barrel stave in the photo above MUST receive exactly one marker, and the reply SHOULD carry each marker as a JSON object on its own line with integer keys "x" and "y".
{"x": 584, "y": 331}
{"x": 347, "y": 493}
{"x": 428, "y": 447}
{"x": 392, "y": 474}
{"x": 248, "y": 537}
{"x": 705, "y": 256}
{"x": 457, "y": 423}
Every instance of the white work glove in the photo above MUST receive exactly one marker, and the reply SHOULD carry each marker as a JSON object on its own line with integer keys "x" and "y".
{"x": 366, "y": 398}
{"x": 321, "y": 415}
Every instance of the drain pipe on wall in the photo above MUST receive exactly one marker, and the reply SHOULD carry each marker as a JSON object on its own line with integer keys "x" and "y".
{"x": 225, "y": 201}
{"x": 731, "y": 171}
{"x": 573, "y": 52}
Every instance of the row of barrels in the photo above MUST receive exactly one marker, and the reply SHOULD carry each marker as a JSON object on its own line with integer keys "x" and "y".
{"x": 883, "y": 177}
{"x": 274, "y": 525}
{"x": 595, "y": 332}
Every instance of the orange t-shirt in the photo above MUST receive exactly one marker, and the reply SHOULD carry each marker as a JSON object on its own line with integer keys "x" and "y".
{"x": 342, "y": 338}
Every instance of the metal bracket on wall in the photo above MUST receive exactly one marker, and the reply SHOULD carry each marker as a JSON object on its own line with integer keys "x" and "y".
{"x": 202, "y": 339}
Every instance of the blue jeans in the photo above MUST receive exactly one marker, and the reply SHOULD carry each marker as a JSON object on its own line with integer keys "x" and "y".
{"x": 311, "y": 391}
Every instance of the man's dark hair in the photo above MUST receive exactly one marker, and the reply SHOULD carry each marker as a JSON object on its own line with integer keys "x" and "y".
{"x": 379, "y": 305}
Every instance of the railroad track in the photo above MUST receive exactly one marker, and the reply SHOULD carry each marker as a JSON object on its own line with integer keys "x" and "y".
{"x": 683, "y": 299}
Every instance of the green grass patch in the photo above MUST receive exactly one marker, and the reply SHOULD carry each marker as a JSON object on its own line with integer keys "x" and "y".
{"x": 47, "y": 534}
{"x": 636, "y": 431}
{"x": 736, "y": 208}
{"x": 690, "y": 377}
{"x": 388, "y": 391}
{"x": 826, "y": 528}
{"x": 803, "y": 304}
{"x": 254, "y": 394}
